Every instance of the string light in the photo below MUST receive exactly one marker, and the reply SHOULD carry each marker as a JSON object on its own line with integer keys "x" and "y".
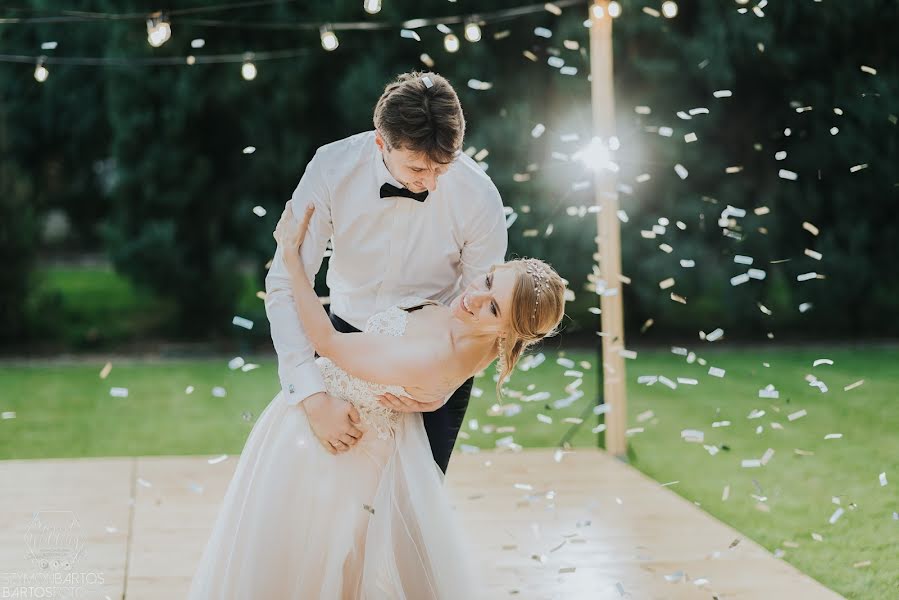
{"x": 248, "y": 69}
{"x": 614, "y": 9}
{"x": 40, "y": 71}
{"x": 329, "y": 39}
{"x": 472, "y": 31}
{"x": 669, "y": 9}
{"x": 372, "y": 7}
{"x": 451, "y": 42}
{"x": 159, "y": 30}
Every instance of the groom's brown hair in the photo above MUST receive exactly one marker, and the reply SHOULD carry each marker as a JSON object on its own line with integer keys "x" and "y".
{"x": 421, "y": 112}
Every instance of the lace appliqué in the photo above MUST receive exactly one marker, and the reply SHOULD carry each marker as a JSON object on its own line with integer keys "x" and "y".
{"x": 363, "y": 394}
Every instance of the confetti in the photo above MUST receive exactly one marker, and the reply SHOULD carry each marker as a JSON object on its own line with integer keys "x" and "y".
{"x": 259, "y": 211}
{"x": 219, "y": 392}
{"x": 241, "y": 322}
{"x": 681, "y": 171}
{"x": 852, "y": 386}
{"x": 666, "y": 131}
{"x": 813, "y": 254}
{"x": 217, "y": 459}
{"x": 666, "y": 283}
{"x": 716, "y": 372}
{"x": 543, "y": 32}
{"x": 690, "y": 137}
{"x": 118, "y": 392}
{"x": 722, "y": 94}
{"x": 236, "y": 363}
{"x": 822, "y": 361}
{"x": 785, "y": 174}
{"x": 104, "y": 372}
{"x": 692, "y": 435}
{"x": 8, "y": 414}
{"x": 810, "y": 228}
{"x": 883, "y": 479}
{"x": 645, "y": 416}
{"x": 833, "y": 436}
{"x": 869, "y": 70}
{"x": 249, "y": 149}
{"x": 411, "y": 34}
{"x": 797, "y": 415}
{"x": 836, "y": 515}
{"x": 858, "y": 168}
{"x": 143, "y": 482}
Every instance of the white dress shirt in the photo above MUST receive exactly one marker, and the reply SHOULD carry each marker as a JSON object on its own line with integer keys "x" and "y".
{"x": 384, "y": 249}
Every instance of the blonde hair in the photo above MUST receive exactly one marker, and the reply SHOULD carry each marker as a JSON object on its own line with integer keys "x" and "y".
{"x": 538, "y": 305}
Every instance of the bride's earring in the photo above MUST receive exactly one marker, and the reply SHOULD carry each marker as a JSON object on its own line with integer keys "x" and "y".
{"x": 501, "y": 364}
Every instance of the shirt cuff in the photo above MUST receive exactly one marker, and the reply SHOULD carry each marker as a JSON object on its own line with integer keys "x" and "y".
{"x": 302, "y": 381}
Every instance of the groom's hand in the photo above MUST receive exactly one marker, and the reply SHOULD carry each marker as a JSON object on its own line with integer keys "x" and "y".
{"x": 335, "y": 423}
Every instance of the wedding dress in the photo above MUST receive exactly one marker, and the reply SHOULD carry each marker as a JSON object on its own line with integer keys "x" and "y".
{"x": 372, "y": 523}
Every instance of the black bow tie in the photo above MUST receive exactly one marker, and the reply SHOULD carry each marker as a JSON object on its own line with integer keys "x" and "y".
{"x": 390, "y": 191}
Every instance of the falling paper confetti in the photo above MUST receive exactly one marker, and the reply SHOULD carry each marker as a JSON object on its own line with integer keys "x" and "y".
{"x": 241, "y": 322}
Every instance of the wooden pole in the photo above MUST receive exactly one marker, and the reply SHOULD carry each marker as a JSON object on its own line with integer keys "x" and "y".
{"x": 609, "y": 239}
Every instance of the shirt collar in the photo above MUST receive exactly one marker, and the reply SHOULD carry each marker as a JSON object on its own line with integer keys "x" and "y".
{"x": 381, "y": 171}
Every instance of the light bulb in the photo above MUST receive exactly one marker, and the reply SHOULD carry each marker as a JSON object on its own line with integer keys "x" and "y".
{"x": 248, "y": 70}
{"x": 329, "y": 39}
{"x": 614, "y": 9}
{"x": 371, "y": 6}
{"x": 159, "y": 31}
{"x": 451, "y": 42}
{"x": 472, "y": 31}
{"x": 669, "y": 9}
{"x": 40, "y": 71}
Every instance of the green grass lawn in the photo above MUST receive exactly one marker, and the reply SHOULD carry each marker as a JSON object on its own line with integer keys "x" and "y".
{"x": 68, "y": 411}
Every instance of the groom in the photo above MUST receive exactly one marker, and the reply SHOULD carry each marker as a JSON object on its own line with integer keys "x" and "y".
{"x": 408, "y": 214}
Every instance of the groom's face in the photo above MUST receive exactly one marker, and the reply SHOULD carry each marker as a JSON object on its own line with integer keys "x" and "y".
{"x": 412, "y": 169}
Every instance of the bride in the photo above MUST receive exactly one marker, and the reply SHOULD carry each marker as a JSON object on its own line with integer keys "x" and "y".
{"x": 300, "y": 522}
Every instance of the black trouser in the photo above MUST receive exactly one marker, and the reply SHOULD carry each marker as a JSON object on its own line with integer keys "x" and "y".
{"x": 441, "y": 425}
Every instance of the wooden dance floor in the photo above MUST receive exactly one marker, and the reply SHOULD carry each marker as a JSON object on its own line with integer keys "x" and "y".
{"x": 584, "y": 527}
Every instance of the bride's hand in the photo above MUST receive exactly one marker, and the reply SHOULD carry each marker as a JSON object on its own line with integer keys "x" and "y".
{"x": 289, "y": 233}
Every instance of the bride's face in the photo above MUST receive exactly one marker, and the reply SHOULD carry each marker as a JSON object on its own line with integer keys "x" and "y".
{"x": 486, "y": 302}
{"x": 413, "y": 170}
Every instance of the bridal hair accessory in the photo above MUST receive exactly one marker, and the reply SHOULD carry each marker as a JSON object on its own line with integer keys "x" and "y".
{"x": 539, "y": 272}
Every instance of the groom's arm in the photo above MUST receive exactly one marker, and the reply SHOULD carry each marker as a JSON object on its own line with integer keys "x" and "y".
{"x": 299, "y": 375}
{"x": 486, "y": 239}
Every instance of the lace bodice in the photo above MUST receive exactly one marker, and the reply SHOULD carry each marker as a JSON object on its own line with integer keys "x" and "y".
{"x": 363, "y": 394}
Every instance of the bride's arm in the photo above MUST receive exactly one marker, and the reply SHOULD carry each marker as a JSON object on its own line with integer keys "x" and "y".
{"x": 378, "y": 358}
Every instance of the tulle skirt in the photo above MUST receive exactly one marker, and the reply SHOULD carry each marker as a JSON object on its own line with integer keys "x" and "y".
{"x": 300, "y": 523}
